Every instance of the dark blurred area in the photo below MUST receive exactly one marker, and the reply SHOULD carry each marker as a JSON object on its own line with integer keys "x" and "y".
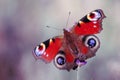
{"x": 10, "y": 52}
{"x": 12, "y": 43}
{"x": 22, "y": 27}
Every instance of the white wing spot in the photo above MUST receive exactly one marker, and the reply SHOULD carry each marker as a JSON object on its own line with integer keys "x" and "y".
{"x": 94, "y": 26}
{"x": 47, "y": 55}
{"x": 44, "y": 53}
{"x": 94, "y": 22}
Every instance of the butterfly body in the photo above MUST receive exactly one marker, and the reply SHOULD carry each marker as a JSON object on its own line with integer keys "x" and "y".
{"x": 77, "y": 44}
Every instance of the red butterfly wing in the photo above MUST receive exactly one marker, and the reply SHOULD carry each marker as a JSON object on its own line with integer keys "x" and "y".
{"x": 64, "y": 59}
{"x": 90, "y": 24}
{"x": 48, "y": 49}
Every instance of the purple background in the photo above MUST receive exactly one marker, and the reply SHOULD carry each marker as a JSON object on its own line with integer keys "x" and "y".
{"x": 22, "y": 27}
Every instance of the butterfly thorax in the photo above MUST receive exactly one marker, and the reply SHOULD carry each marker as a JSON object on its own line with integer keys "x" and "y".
{"x": 73, "y": 43}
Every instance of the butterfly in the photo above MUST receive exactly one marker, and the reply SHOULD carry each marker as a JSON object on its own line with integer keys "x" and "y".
{"x": 75, "y": 46}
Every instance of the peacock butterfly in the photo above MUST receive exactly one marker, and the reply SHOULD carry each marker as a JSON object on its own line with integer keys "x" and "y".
{"x": 75, "y": 46}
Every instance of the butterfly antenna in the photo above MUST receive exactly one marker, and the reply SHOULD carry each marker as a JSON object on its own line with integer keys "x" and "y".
{"x": 53, "y": 27}
{"x": 60, "y": 28}
{"x": 68, "y": 18}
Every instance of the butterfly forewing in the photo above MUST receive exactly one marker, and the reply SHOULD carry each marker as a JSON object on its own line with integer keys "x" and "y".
{"x": 90, "y": 23}
{"x": 48, "y": 49}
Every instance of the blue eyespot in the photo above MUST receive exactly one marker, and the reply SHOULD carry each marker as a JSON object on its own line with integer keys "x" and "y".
{"x": 91, "y": 42}
{"x": 60, "y": 60}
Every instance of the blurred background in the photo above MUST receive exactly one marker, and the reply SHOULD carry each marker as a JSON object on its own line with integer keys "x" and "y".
{"x": 22, "y": 27}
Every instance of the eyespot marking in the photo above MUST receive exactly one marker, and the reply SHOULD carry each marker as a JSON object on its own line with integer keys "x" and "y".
{"x": 94, "y": 16}
{"x": 91, "y": 41}
{"x": 39, "y": 50}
